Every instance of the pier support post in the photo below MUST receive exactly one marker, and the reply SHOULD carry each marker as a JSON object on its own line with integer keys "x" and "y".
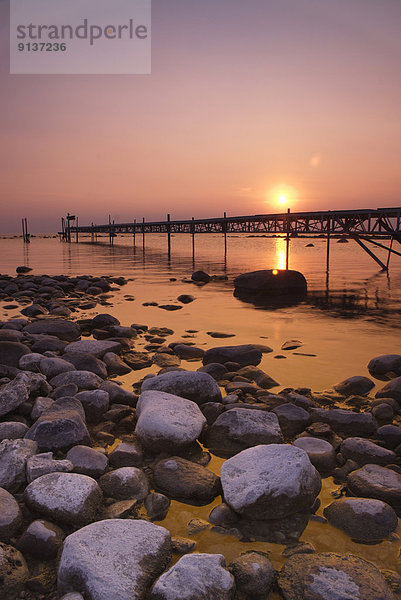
{"x": 225, "y": 234}
{"x": 143, "y": 234}
{"x": 92, "y": 234}
{"x": 328, "y": 247}
{"x": 287, "y": 250}
{"x": 76, "y": 230}
{"x": 109, "y": 230}
{"x": 389, "y": 251}
{"x": 134, "y": 234}
{"x": 193, "y": 240}
{"x": 168, "y": 237}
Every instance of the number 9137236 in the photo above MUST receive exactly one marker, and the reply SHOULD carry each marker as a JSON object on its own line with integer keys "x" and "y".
{"x": 42, "y": 47}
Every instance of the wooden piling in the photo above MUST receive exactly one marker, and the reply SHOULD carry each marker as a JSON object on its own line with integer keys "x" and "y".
{"x": 168, "y": 226}
{"x": 287, "y": 251}
{"x": 109, "y": 230}
{"x": 225, "y": 234}
{"x": 328, "y": 247}
{"x": 143, "y": 234}
{"x": 193, "y": 239}
{"x": 76, "y": 231}
{"x": 134, "y": 233}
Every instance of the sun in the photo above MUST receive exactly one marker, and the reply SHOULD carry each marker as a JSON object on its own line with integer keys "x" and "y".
{"x": 282, "y": 195}
{"x": 282, "y": 199}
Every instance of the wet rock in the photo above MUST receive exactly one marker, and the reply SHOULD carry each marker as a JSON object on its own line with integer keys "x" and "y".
{"x": 47, "y": 343}
{"x": 200, "y": 276}
{"x": 41, "y": 539}
{"x": 374, "y": 481}
{"x": 95, "y": 403}
{"x": 63, "y": 391}
{"x": 13, "y": 457}
{"x": 261, "y": 378}
{"x": 391, "y": 390}
{"x": 383, "y": 413}
{"x": 195, "y": 577}
{"x": 219, "y": 334}
{"x": 390, "y": 435}
{"x": 243, "y": 355}
{"x": 212, "y": 410}
{"x": 41, "y": 464}
{"x": 238, "y": 428}
{"x": 270, "y": 482}
{"x": 215, "y": 370}
{"x": 50, "y": 367}
{"x": 386, "y": 366}
{"x": 13, "y": 572}
{"x": 165, "y": 360}
{"x": 365, "y": 452}
{"x": 254, "y": 575}
{"x": 125, "y": 483}
{"x": 31, "y": 362}
{"x": 41, "y": 405}
{"x": 85, "y": 380}
{"x": 293, "y": 419}
{"x": 193, "y": 385}
{"x": 184, "y": 480}
{"x": 170, "y": 307}
{"x": 291, "y": 345}
{"x": 12, "y": 430}
{"x": 64, "y": 497}
{"x": 167, "y": 422}
{"x": 118, "y": 395}
{"x": 327, "y": 576}
{"x": 17, "y": 391}
{"x": 138, "y": 360}
{"x": 126, "y": 454}
{"x": 363, "y": 519}
{"x": 115, "y": 559}
{"x": 120, "y": 509}
{"x": 86, "y": 362}
{"x": 12, "y": 352}
{"x": 320, "y": 453}
{"x": 354, "y": 385}
{"x": 103, "y": 321}
{"x": 186, "y": 352}
{"x": 87, "y": 461}
{"x": 223, "y": 515}
{"x": 59, "y": 328}
{"x": 97, "y": 348}
{"x": 115, "y": 365}
{"x": 157, "y": 506}
{"x": 299, "y": 548}
{"x": 10, "y": 516}
{"x": 346, "y": 421}
{"x": 182, "y": 545}
{"x": 185, "y": 298}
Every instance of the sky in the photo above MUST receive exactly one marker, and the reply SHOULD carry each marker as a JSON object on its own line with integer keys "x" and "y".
{"x": 248, "y": 103}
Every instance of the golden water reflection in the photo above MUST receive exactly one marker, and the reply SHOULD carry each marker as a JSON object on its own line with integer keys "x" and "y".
{"x": 280, "y": 253}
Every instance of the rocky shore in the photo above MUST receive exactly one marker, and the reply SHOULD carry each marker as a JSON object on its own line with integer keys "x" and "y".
{"x": 88, "y": 467}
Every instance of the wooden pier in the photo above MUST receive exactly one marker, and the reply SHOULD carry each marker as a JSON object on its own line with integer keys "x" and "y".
{"x": 367, "y": 226}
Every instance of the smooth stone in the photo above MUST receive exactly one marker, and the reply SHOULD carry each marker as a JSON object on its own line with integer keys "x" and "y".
{"x": 238, "y": 429}
{"x": 374, "y": 481}
{"x": 126, "y": 454}
{"x": 167, "y": 422}
{"x": 358, "y": 385}
{"x": 87, "y": 461}
{"x": 345, "y": 421}
{"x": 12, "y": 352}
{"x": 383, "y": 413}
{"x": 181, "y": 545}
{"x": 157, "y": 506}
{"x": 97, "y": 348}
{"x": 391, "y": 390}
{"x": 243, "y": 355}
{"x": 390, "y": 435}
{"x": 120, "y": 509}
{"x": 200, "y": 276}
{"x": 195, "y": 577}
{"x": 11, "y": 335}
{"x": 10, "y": 516}
{"x": 366, "y": 452}
{"x": 192, "y": 385}
{"x": 115, "y": 365}
{"x": 270, "y": 482}
{"x": 125, "y": 483}
{"x": 386, "y": 366}
{"x": 31, "y": 362}
{"x": 267, "y": 283}
{"x": 215, "y": 370}
{"x": 41, "y": 539}
{"x": 95, "y": 403}
{"x": 13, "y": 572}
{"x": 13, "y": 457}
{"x": 103, "y": 321}
{"x": 85, "y": 380}
{"x": 12, "y": 430}
{"x": 72, "y": 596}
{"x": 50, "y": 367}
{"x": 40, "y": 406}
{"x": 114, "y": 559}
{"x": 47, "y": 343}
{"x": 184, "y": 480}
{"x": 291, "y": 345}
{"x": 64, "y": 497}
{"x": 330, "y": 576}
{"x": 320, "y": 453}
{"x": 118, "y": 395}
{"x": 60, "y": 328}
{"x": 186, "y": 352}
{"x": 64, "y": 391}
{"x": 165, "y": 360}
{"x": 17, "y": 391}
{"x": 293, "y": 419}
{"x": 87, "y": 362}
{"x": 255, "y": 374}
{"x": 185, "y": 298}
{"x": 363, "y": 519}
{"x": 42, "y": 464}
{"x": 254, "y": 575}
{"x": 212, "y": 410}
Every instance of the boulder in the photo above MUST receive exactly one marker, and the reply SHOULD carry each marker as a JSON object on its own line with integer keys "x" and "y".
{"x": 330, "y": 576}
{"x": 116, "y": 559}
{"x": 12, "y": 352}
{"x": 254, "y": 575}
{"x": 270, "y": 482}
{"x": 13, "y": 572}
{"x": 386, "y": 366}
{"x": 390, "y": 435}
{"x": 374, "y": 481}
{"x": 115, "y": 365}
{"x": 103, "y": 321}
{"x": 358, "y": 385}
{"x": 41, "y": 539}
{"x": 200, "y": 276}
{"x": 31, "y": 362}
{"x": 95, "y": 403}
{"x": 126, "y": 454}
{"x": 87, "y": 461}
{"x": 85, "y": 380}
{"x": 320, "y": 453}
{"x": 167, "y": 422}
{"x": 293, "y": 419}
{"x": 391, "y": 390}
{"x": 10, "y": 516}
{"x": 118, "y": 395}
{"x": 195, "y": 577}
{"x": 345, "y": 421}
{"x": 186, "y": 352}
{"x": 13, "y": 457}
{"x": 18, "y": 390}
{"x": 239, "y": 428}
{"x": 193, "y": 385}
{"x": 363, "y": 519}
{"x": 59, "y": 328}
{"x": 184, "y": 480}
{"x": 157, "y": 506}
{"x": 86, "y": 362}
{"x": 64, "y": 497}
{"x": 365, "y": 452}
{"x": 216, "y": 370}
{"x": 270, "y": 282}
{"x": 41, "y": 464}
{"x": 97, "y": 348}
{"x": 50, "y": 367}
{"x": 243, "y": 355}
{"x": 125, "y": 483}
{"x": 12, "y": 430}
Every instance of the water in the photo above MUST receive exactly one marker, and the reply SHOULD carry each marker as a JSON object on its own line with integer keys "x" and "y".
{"x": 346, "y": 319}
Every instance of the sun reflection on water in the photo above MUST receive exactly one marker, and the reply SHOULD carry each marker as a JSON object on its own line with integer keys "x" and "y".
{"x": 280, "y": 256}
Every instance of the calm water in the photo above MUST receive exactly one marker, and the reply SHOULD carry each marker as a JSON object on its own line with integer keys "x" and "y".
{"x": 346, "y": 320}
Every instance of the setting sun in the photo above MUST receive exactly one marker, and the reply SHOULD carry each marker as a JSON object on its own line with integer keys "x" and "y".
{"x": 282, "y": 199}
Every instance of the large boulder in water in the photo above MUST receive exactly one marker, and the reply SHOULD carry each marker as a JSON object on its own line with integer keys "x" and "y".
{"x": 374, "y": 481}
{"x": 270, "y": 283}
{"x": 60, "y": 328}
{"x": 270, "y": 482}
{"x": 385, "y": 366}
{"x": 244, "y": 355}
{"x": 195, "y": 386}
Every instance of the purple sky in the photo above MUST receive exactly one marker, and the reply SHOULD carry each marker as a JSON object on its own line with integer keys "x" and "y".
{"x": 247, "y": 102}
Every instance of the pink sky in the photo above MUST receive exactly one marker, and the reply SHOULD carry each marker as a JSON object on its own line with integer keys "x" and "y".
{"x": 244, "y": 98}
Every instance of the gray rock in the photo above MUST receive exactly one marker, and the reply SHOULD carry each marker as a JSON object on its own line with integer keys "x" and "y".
{"x": 331, "y": 576}
{"x": 40, "y": 406}
{"x": 13, "y": 457}
{"x": 64, "y": 391}
{"x": 114, "y": 559}
{"x": 345, "y": 421}
{"x": 41, "y": 464}
{"x": 125, "y": 483}
{"x": 95, "y": 403}
{"x": 85, "y": 380}
{"x": 31, "y": 362}
{"x": 72, "y": 596}
{"x": 60, "y": 328}
{"x": 13, "y": 572}
{"x": 115, "y": 365}
{"x": 293, "y": 419}
{"x": 41, "y": 539}
{"x": 167, "y": 422}
{"x": 243, "y": 355}
{"x": 50, "y": 367}
{"x": 11, "y": 353}
{"x": 391, "y": 390}
{"x": 179, "y": 478}
{"x": 254, "y": 575}
{"x": 88, "y": 461}
{"x": 12, "y": 430}
{"x": 157, "y": 506}
{"x": 118, "y": 395}
{"x": 17, "y": 391}
{"x": 195, "y": 577}
{"x": 358, "y": 385}
{"x": 386, "y": 366}
{"x": 216, "y": 370}
{"x": 10, "y": 516}
{"x": 96, "y": 347}
{"x": 186, "y": 352}
{"x": 103, "y": 321}
{"x": 47, "y": 343}
{"x": 366, "y": 452}
{"x": 182, "y": 545}
{"x": 363, "y": 519}
{"x": 239, "y": 428}
{"x": 193, "y": 385}
{"x": 255, "y": 374}
{"x": 320, "y": 453}
{"x": 270, "y": 482}
{"x": 126, "y": 454}
{"x": 64, "y": 497}
{"x": 138, "y": 360}
{"x": 86, "y": 362}
{"x": 390, "y": 435}
{"x": 374, "y": 481}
